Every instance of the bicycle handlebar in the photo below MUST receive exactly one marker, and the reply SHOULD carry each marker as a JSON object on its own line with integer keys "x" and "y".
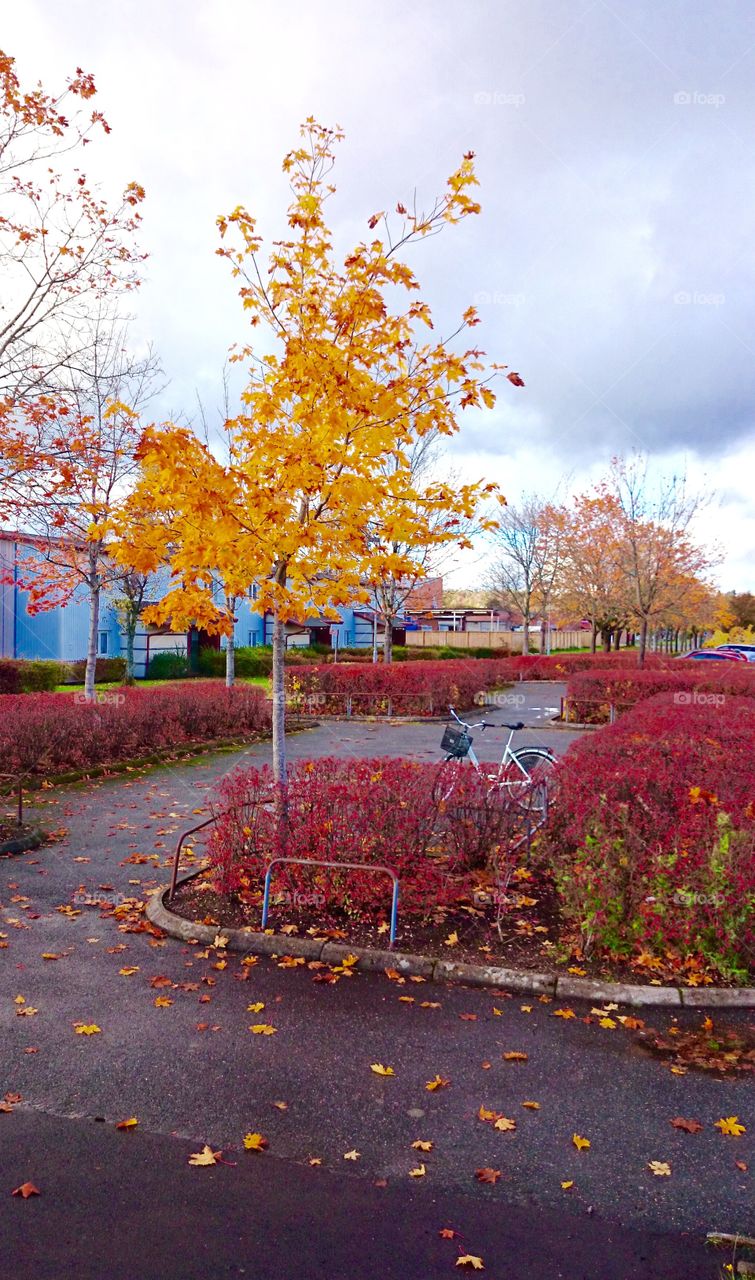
{"x": 485, "y": 724}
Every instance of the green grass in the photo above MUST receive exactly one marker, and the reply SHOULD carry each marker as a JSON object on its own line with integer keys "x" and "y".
{"x": 261, "y": 682}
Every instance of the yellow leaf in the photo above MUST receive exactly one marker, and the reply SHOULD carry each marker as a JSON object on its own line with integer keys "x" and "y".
{"x": 564, "y": 1013}
{"x": 504, "y": 1124}
{"x": 582, "y": 1144}
{"x": 256, "y": 1008}
{"x": 205, "y": 1156}
{"x": 263, "y": 1029}
{"x": 131, "y": 1123}
{"x": 351, "y": 1155}
{"x": 533, "y": 1106}
{"x": 437, "y": 1082}
{"x": 419, "y": 1145}
{"x": 514, "y": 1055}
{"x": 731, "y": 1126}
{"x": 86, "y": 1029}
{"x": 255, "y": 1142}
{"x": 452, "y": 939}
{"x": 419, "y": 1172}
{"x": 566, "y": 1186}
{"x": 127, "y": 972}
{"x": 659, "y": 1168}
{"x": 498, "y": 1012}
{"x": 470, "y": 1260}
{"x": 380, "y": 1070}
{"x": 163, "y": 1002}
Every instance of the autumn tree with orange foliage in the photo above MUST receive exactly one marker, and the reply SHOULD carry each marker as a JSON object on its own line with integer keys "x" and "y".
{"x": 341, "y": 383}
{"x": 61, "y": 246}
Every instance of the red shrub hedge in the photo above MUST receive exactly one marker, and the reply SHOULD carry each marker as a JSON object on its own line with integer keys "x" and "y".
{"x": 50, "y": 733}
{"x": 417, "y": 688}
{"x": 378, "y": 811}
{"x": 591, "y": 693}
{"x": 652, "y": 842}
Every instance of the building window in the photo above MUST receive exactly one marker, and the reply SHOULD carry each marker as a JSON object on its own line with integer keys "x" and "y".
{"x": 103, "y": 642}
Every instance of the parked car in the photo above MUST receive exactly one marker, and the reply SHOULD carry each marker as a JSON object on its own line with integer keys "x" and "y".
{"x": 714, "y": 655}
{"x": 747, "y": 649}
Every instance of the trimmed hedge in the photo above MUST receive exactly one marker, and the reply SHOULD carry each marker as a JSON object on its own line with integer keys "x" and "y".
{"x": 590, "y": 694}
{"x": 249, "y": 662}
{"x": 652, "y": 841}
{"x": 106, "y": 671}
{"x": 21, "y": 676}
{"x": 417, "y": 688}
{"x": 46, "y": 734}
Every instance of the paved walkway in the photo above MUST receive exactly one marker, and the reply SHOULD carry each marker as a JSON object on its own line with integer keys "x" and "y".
{"x": 192, "y": 1072}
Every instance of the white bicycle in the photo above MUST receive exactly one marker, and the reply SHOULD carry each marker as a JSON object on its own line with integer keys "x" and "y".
{"x": 527, "y": 773}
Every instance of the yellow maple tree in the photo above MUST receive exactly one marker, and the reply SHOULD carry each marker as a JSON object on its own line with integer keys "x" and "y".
{"x": 347, "y": 375}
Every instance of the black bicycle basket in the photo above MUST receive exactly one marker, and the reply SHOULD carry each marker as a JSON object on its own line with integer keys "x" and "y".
{"x": 455, "y": 742}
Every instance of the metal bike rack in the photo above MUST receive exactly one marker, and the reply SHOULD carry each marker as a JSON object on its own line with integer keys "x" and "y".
{"x": 338, "y": 866}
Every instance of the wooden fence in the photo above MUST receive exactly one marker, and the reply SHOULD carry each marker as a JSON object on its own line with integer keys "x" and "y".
{"x": 511, "y": 640}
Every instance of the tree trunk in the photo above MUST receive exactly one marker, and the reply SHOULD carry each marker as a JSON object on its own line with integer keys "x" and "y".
{"x": 594, "y": 638}
{"x": 279, "y": 701}
{"x": 526, "y": 632}
{"x": 94, "y": 626}
{"x": 230, "y": 661}
{"x": 388, "y": 641}
{"x": 130, "y": 636}
{"x": 643, "y": 641}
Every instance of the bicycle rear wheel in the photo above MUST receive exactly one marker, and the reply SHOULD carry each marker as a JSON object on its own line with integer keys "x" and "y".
{"x": 531, "y": 778}
{"x": 446, "y": 779}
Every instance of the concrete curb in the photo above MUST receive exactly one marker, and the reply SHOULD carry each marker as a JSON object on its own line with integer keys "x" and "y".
{"x": 23, "y": 844}
{"x": 253, "y": 942}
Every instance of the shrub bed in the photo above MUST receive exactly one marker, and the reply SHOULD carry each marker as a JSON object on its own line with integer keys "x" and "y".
{"x": 590, "y": 693}
{"x": 48, "y": 733}
{"x": 418, "y": 689}
{"x": 652, "y": 842}
{"x": 376, "y": 811}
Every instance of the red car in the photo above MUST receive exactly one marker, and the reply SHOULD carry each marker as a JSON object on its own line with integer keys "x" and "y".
{"x": 715, "y": 655}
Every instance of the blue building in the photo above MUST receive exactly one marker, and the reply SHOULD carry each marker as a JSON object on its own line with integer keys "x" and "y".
{"x": 61, "y": 632}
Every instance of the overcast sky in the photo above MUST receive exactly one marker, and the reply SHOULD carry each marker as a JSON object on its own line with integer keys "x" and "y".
{"x": 613, "y": 263}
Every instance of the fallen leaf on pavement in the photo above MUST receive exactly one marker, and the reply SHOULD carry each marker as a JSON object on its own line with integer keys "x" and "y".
{"x": 419, "y": 1172}
{"x": 380, "y": 1070}
{"x": 131, "y": 1123}
{"x": 514, "y": 1056}
{"x": 689, "y": 1126}
{"x": 26, "y": 1189}
{"x": 255, "y": 1142}
{"x": 419, "y": 1145}
{"x": 86, "y": 1028}
{"x": 660, "y": 1168}
{"x": 731, "y": 1126}
{"x": 470, "y": 1260}
{"x": 488, "y": 1175}
{"x": 351, "y": 1155}
{"x": 437, "y": 1082}
{"x": 582, "y": 1144}
{"x": 567, "y": 1186}
{"x": 263, "y": 1029}
{"x": 205, "y": 1156}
